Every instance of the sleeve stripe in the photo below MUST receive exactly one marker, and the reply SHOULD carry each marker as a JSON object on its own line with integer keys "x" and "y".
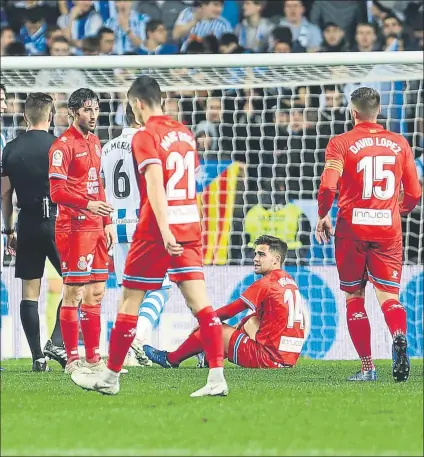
{"x": 148, "y": 162}
{"x": 58, "y": 176}
{"x": 329, "y": 167}
{"x": 248, "y": 303}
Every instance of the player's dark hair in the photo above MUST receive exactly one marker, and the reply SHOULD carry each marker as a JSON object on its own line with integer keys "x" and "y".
{"x": 80, "y": 96}
{"x": 38, "y": 107}
{"x": 3, "y": 88}
{"x": 103, "y": 31}
{"x": 152, "y": 25}
{"x": 146, "y": 89}
{"x": 129, "y": 115}
{"x": 366, "y": 101}
{"x": 275, "y": 244}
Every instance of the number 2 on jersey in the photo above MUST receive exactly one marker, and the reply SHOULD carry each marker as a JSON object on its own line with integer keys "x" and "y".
{"x": 181, "y": 165}
{"x": 373, "y": 168}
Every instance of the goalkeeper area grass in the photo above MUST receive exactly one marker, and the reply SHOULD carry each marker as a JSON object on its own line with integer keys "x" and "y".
{"x": 309, "y": 410}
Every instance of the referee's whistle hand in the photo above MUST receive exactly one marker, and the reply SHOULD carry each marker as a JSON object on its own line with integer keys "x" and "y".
{"x": 99, "y": 208}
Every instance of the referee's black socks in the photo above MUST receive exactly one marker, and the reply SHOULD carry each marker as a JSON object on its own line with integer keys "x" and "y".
{"x": 56, "y": 337}
{"x": 31, "y": 325}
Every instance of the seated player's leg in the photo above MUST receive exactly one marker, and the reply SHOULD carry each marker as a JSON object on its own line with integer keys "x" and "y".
{"x": 384, "y": 263}
{"x": 351, "y": 264}
{"x": 186, "y": 270}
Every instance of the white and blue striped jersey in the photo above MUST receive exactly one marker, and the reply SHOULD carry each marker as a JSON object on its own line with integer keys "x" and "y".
{"x": 85, "y": 26}
{"x": 204, "y": 27}
{"x": 121, "y": 185}
{"x": 137, "y": 23}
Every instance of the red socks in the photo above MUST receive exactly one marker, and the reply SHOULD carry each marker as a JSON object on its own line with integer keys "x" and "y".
{"x": 395, "y": 316}
{"x": 191, "y": 346}
{"x": 211, "y": 336}
{"x": 121, "y": 338}
{"x": 360, "y": 330}
{"x": 69, "y": 327}
{"x": 90, "y": 327}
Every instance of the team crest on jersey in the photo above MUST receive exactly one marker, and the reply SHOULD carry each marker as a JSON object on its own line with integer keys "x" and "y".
{"x": 64, "y": 266}
{"x": 98, "y": 151}
{"x": 57, "y": 158}
{"x": 82, "y": 263}
{"x": 64, "y": 139}
{"x": 92, "y": 174}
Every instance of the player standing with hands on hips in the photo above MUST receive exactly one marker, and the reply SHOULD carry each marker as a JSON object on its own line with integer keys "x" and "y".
{"x": 84, "y": 230}
{"x": 167, "y": 237}
{"x": 368, "y": 166}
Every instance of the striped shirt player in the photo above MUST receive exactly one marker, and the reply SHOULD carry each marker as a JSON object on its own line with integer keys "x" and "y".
{"x": 2, "y": 145}
{"x": 83, "y": 26}
{"x": 204, "y": 27}
{"x": 35, "y": 44}
{"x": 121, "y": 187}
{"x": 137, "y": 24}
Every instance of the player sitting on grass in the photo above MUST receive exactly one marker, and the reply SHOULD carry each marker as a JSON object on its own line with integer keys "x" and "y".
{"x": 271, "y": 337}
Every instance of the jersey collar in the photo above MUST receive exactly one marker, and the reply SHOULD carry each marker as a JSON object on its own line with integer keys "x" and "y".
{"x": 129, "y": 130}
{"x": 369, "y": 125}
{"x": 77, "y": 134}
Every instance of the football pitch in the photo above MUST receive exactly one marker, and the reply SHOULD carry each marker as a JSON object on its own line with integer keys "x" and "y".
{"x": 310, "y": 410}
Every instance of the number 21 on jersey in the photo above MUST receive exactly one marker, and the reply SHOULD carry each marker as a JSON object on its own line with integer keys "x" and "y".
{"x": 182, "y": 166}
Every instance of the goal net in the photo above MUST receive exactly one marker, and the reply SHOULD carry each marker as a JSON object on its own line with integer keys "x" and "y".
{"x": 262, "y": 123}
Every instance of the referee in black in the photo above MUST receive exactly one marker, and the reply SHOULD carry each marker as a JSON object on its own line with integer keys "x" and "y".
{"x": 25, "y": 170}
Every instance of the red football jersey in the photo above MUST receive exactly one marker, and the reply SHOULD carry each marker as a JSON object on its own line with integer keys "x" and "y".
{"x": 77, "y": 160}
{"x": 371, "y": 164}
{"x": 276, "y": 301}
{"x": 173, "y": 146}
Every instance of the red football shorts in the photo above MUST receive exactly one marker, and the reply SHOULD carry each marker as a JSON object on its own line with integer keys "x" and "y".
{"x": 83, "y": 256}
{"x": 247, "y": 353}
{"x": 148, "y": 261}
{"x": 360, "y": 261}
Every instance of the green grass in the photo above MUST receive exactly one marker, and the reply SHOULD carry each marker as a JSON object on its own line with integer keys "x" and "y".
{"x": 310, "y": 410}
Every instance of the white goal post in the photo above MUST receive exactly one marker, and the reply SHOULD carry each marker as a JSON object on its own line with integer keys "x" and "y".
{"x": 262, "y": 122}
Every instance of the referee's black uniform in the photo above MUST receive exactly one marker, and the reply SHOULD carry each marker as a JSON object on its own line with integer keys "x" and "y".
{"x": 26, "y": 163}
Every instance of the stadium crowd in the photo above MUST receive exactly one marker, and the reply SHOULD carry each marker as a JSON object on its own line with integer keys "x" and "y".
{"x": 278, "y": 134}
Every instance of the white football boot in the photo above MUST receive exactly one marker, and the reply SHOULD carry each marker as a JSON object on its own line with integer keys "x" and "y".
{"x": 216, "y": 385}
{"x": 105, "y": 382}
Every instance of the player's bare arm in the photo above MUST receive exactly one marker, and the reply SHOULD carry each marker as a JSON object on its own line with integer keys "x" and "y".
{"x": 157, "y": 198}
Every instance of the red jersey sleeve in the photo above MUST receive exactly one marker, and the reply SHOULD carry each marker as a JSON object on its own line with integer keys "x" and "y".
{"x": 333, "y": 169}
{"x": 144, "y": 150}
{"x": 411, "y": 183}
{"x": 60, "y": 157}
{"x": 255, "y": 294}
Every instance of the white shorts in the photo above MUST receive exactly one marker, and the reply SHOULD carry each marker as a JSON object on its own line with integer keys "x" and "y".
{"x": 120, "y": 253}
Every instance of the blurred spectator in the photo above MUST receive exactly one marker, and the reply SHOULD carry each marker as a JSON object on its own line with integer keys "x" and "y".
{"x": 17, "y": 12}
{"x": 334, "y": 39}
{"x": 229, "y": 44}
{"x": 254, "y": 31}
{"x": 129, "y": 27}
{"x": 82, "y": 21}
{"x": 60, "y": 47}
{"x": 365, "y": 38}
{"x": 276, "y": 216}
{"x": 211, "y": 44}
{"x": 376, "y": 12}
{"x": 90, "y": 46}
{"x": 418, "y": 32}
{"x": 105, "y": 8}
{"x": 345, "y": 14}
{"x": 60, "y": 120}
{"x": 106, "y": 39}
{"x": 7, "y": 36}
{"x": 16, "y": 48}
{"x": 308, "y": 35}
{"x": 281, "y": 40}
{"x": 164, "y": 11}
{"x": 172, "y": 108}
{"x": 156, "y": 41}
{"x": 32, "y": 33}
{"x": 53, "y": 31}
{"x": 195, "y": 47}
{"x": 393, "y": 26}
{"x": 201, "y": 21}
